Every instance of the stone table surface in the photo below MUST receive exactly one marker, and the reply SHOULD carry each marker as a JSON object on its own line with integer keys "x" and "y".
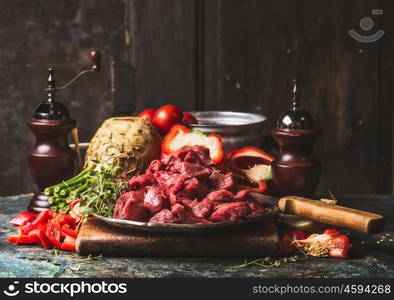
{"x": 369, "y": 257}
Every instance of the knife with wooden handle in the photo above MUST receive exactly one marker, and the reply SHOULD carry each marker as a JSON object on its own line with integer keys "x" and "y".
{"x": 332, "y": 214}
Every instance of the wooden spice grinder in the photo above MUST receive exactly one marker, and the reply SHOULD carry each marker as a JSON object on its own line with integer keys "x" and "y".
{"x": 295, "y": 170}
{"x": 52, "y": 160}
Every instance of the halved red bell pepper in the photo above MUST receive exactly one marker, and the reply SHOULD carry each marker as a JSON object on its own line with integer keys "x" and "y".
{"x": 22, "y": 217}
{"x": 253, "y": 166}
{"x": 329, "y": 243}
{"x": 180, "y": 136}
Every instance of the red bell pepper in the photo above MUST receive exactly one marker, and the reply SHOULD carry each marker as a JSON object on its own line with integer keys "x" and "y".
{"x": 251, "y": 152}
{"x": 253, "y": 166}
{"x": 44, "y": 240}
{"x": 12, "y": 238}
{"x": 54, "y": 233}
{"x": 63, "y": 218}
{"x": 38, "y": 222}
{"x": 66, "y": 229}
{"x": 22, "y": 217}
{"x": 68, "y": 244}
{"x": 329, "y": 243}
{"x": 26, "y": 239}
{"x": 180, "y": 136}
{"x": 47, "y": 229}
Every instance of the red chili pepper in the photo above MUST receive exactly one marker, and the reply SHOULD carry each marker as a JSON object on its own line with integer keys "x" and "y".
{"x": 180, "y": 136}
{"x": 22, "y": 217}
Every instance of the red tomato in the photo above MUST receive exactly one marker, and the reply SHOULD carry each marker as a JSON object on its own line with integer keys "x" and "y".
{"x": 190, "y": 119}
{"x": 147, "y": 113}
{"x": 167, "y": 116}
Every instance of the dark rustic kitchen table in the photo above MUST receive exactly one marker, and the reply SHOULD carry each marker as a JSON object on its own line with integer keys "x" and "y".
{"x": 369, "y": 256}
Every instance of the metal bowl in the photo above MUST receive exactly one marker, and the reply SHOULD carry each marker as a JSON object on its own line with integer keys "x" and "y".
{"x": 237, "y": 129}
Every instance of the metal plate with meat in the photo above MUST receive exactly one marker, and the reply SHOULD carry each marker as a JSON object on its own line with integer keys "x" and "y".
{"x": 186, "y": 191}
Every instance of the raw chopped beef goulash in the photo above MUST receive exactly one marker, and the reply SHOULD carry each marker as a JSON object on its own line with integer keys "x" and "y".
{"x": 185, "y": 188}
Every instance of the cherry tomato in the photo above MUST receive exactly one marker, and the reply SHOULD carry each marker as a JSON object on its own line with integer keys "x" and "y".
{"x": 167, "y": 116}
{"x": 147, "y": 113}
{"x": 190, "y": 119}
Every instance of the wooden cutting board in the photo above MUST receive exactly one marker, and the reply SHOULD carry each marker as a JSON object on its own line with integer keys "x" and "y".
{"x": 255, "y": 240}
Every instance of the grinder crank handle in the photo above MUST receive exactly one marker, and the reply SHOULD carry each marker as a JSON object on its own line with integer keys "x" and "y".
{"x": 332, "y": 214}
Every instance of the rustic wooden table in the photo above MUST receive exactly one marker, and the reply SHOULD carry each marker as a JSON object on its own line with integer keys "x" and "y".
{"x": 368, "y": 257}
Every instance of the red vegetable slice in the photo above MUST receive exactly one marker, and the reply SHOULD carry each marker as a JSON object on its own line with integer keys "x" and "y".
{"x": 54, "y": 234}
{"x": 251, "y": 166}
{"x": 22, "y": 217}
{"x": 66, "y": 229}
{"x": 63, "y": 218}
{"x": 26, "y": 239}
{"x": 68, "y": 247}
{"x": 180, "y": 136}
{"x": 68, "y": 244}
{"x": 12, "y": 238}
{"x": 49, "y": 230}
{"x": 44, "y": 240}
{"x": 38, "y": 223}
{"x": 43, "y": 217}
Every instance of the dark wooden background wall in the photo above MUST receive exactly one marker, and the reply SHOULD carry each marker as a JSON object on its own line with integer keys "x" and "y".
{"x": 206, "y": 54}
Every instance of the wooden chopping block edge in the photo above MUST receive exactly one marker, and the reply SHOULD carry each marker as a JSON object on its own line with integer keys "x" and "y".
{"x": 258, "y": 239}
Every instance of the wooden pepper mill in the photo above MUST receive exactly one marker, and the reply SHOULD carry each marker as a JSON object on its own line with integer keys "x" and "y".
{"x": 52, "y": 160}
{"x": 295, "y": 170}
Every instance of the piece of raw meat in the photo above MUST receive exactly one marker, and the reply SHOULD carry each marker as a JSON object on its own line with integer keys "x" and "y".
{"x": 220, "y": 196}
{"x": 129, "y": 206}
{"x": 139, "y": 182}
{"x": 155, "y": 200}
{"x": 164, "y": 216}
{"x": 218, "y": 181}
{"x": 202, "y": 209}
{"x": 230, "y": 212}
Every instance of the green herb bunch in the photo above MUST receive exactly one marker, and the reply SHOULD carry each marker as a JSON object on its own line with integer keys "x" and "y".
{"x": 97, "y": 187}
